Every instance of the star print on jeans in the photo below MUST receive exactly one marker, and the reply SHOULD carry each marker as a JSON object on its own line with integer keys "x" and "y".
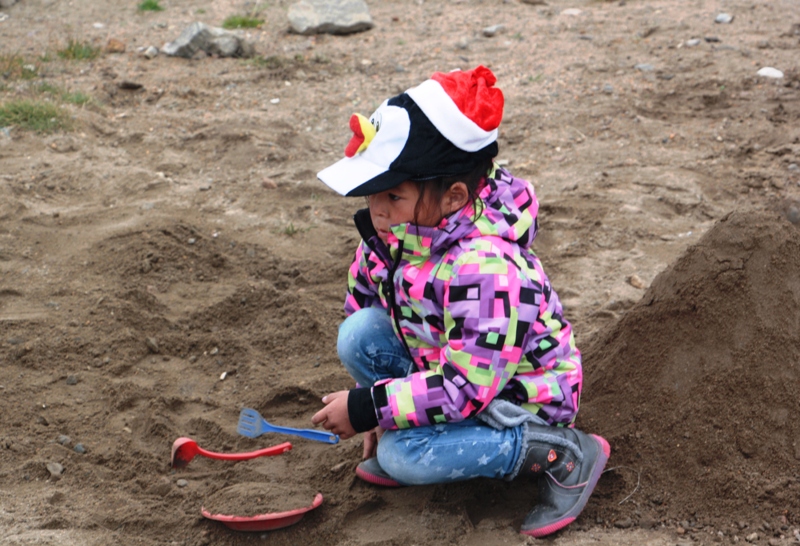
{"x": 504, "y": 448}
{"x": 427, "y": 458}
{"x": 459, "y": 452}
{"x": 483, "y": 460}
{"x": 456, "y": 473}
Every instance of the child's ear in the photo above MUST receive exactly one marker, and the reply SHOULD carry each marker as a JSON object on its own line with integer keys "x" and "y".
{"x": 455, "y": 198}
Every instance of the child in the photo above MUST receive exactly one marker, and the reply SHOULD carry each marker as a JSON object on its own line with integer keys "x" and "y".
{"x": 465, "y": 365}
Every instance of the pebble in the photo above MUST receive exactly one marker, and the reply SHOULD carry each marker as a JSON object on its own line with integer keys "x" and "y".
{"x": 192, "y": 241}
{"x": 150, "y": 53}
{"x": 793, "y": 215}
{"x": 723, "y": 18}
{"x": 493, "y": 30}
{"x": 608, "y": 88}
{"x": 182, "y": 483}
{"x": 571, "y": 11}
{"x": 79, "y": 449}
{"x": 769, "y": 72}
{"x": 752, "y": 537}
{"x": 794, "y": 167}
{"x": 152, "y": 344}
{"x": 55, "y": 470}
{"x": 712, "y": 39}
{"x": 625, "y": 523}
{"x": 64, "y": 440}
{"x": 463, "y": 43}
{"x": 72, "y": 380}
{"x": 693, "y": 42}
{"x": 214, "y": 351}
{"x": 115, "y": 46}
{"x": 644, "y": 67}
{"x": 636, "y": 281}
{"x": 98, "y": 25}
{"x": 274, "y": 101}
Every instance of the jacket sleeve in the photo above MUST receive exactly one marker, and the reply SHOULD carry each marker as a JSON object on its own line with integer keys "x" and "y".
{"x": 482, "y": 352}
{"x": 362, "y": 291}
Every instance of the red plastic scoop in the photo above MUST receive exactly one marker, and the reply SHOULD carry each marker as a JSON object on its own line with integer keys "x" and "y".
{"x": 264, "y": 522}
{"x": 185, "y": 449}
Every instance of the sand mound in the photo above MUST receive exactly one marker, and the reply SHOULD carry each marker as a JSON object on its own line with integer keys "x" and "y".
{"x": 697, "y": 386}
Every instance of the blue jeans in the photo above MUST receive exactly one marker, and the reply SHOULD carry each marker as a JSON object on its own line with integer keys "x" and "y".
{"x": 370, "y": 351}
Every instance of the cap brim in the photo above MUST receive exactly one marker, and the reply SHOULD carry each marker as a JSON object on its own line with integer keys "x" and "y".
{"x": 356, "y": 176}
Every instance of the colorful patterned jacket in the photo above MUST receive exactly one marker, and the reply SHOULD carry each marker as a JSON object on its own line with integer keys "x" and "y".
{"x": 475, "y": 309}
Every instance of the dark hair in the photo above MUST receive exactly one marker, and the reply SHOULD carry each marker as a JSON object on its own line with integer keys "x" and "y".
{"x": 435, "y": 188}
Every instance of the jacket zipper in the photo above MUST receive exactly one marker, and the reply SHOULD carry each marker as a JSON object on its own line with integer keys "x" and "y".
{"x": 367, "y": 232}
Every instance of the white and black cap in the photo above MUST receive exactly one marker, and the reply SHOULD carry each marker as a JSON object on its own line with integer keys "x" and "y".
{"x": 445, "y": 126}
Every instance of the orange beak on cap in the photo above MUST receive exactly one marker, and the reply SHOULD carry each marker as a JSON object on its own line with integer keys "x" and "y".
{"x": 363, "y": 133}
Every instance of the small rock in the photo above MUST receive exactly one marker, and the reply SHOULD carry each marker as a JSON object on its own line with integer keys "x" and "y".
{"x": 191, "y": 240}
{"x": 793, "y": 215}
{"x": 152, "y": 344}
{"x": 64, "y": 440}
{"x": 608, "y": 89}
{"x": 79, "y": 449}
{"x": 72, "y": 380}
{"x": 214, "y": 351}
{"x": 763, "y": 44}
{"x": 55, "y": 470}
{"x": 338, "y": 467}
{"x": 115, "y": 46}
{"x": 636, "y": 281}
{"x": 723, "y": 18}
{"x": 199, "y": 37}
{"x": 644, "y": 67}
{"x": 752, "y": 537}
{"x": 463, "y": 43}
{"x": 268, "y": 184}
{"x": 181, "y": 483}
{"x": 774, "y": 542}
{"x": 769, "y": 72}
{"x": 535, "y": 2}
{"x": 571, "y": 11}
{"x": 150, "y": 52}
{"x": 324, "y": 16}
{"x": 493, "y": 30}
{"x": 794, "y": 167}
{"x": 712, "y": 39}
{"x": 625, "y": 523}
{"x": 693, "y": 42}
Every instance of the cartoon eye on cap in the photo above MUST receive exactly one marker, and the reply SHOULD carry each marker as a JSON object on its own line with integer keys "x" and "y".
{"x": 363, "y": 133}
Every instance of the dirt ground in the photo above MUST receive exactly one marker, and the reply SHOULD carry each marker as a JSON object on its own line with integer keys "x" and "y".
{"x": 172, "y": 259}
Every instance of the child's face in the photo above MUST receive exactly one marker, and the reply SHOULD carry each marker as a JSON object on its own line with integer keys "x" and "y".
{"x": 396, "y": 206}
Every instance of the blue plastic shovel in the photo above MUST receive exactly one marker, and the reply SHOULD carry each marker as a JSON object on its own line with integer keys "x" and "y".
{"x": 252, "y": 425}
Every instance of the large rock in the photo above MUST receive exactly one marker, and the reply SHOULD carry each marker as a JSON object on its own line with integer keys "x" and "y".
{"x": 201, "y": 37}
{"x": 329, "y": 16}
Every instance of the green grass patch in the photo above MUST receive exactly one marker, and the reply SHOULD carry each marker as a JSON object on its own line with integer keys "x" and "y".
{"x": 242, "y": 21}
{"x": 39, "y": 116}
{"x": 15, "y": 67}
{"x": 150, "y": 5}
{"x": 78, "y": 98}
{"x": 79, "y": 51}
{"x": 273, "y": 62}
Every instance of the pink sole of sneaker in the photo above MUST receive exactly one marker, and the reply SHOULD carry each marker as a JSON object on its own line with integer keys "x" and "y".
{"x": 377, "y": 480}
{"x": 596, "y": 473}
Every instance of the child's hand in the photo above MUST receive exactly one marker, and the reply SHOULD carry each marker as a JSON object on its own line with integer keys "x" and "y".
{"x": 334, "y": 416}
{"x": 371, "y": 438}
